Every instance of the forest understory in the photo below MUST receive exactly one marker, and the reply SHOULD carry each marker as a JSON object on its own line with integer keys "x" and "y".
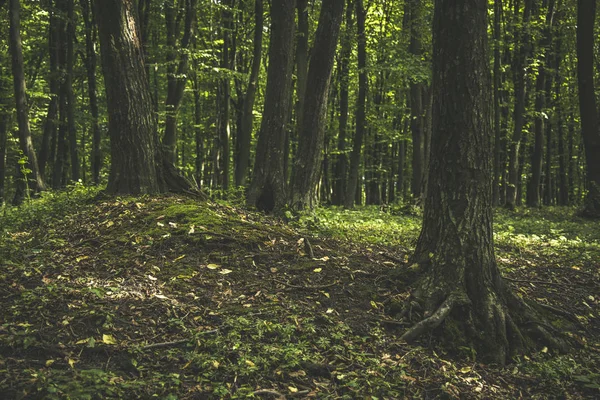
{"x": 167, "y": 297}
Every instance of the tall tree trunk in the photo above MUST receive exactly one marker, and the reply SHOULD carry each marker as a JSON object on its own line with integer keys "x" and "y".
{"x": 267, "y": 191}
{"x": 45, "y": 152}
{"x": 70, "y": 92}
{"x": 341, "y": 160}
{"x": 177, "y": 69}
{"x": 361, "y": 112}
{"x": 416, "y": 105}
{"x": 534, "y": 189}
{"x": 90, "y": 66}
{"x": 5, "y": 113}
{"x": 461, "y": 283}
{"x": 301, "y": 58}
{"x": 138, "y": 165}
{"x": 520, "y": 61}
{"x": 60, "y": 158}
{"x": 224, "y": 95}
{"x": 245, "y": 130}
{"x": 308, "y": 161}
{"x": 497, "y": 111}
{"x": 35, "y": 182}
{"x": 586, "y": 13}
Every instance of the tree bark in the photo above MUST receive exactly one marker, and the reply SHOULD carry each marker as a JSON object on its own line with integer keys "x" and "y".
{"x": 497, "y": 111}
{"x": 267, "y": 191}
{"x": 138, "y": 165}
{"x": 520, "y": 83}
{"x": 4, "y": 123}
{"x": 35, "y": 182}
{"x": 461, "y": 288}
{"x": 309, "y": 157}
{"x": 353, "y": 178}
{"x": 70, "y": 92}
{"x": 586, "y": 13}
{"x": 416, "y": 106}
{"x": 245, "y": 131}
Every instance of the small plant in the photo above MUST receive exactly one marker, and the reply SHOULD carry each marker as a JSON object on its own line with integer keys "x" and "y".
{"x": 26, "y": 172}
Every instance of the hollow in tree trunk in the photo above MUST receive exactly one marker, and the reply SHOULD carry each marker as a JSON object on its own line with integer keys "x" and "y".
{"x": 461, "y": 285}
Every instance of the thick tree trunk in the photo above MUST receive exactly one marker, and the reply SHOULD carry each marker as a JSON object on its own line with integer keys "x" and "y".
{"x": 301, "y": 58}
{"x": 416, "y": 106}
{"x": 352, "y": 189}
{"x": 461, "y": 285}
{"x": 138, "y": 165}
{"x": 245, "y": 130}
{"x": 35, "y": 182}
{"x": 267, "y": 191}
{"x": 312, "y": 129}
{"x": 586, "y": 13}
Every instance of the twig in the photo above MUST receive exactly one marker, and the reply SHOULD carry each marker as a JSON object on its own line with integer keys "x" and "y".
{"x": 269, "y": 391}
{"x": 535, "y": 282}
{"x": 175, "y": 342}
{"x": 395, "y": 259}
{"x": 308, "y": 248}
{"x": 316, "y": 287}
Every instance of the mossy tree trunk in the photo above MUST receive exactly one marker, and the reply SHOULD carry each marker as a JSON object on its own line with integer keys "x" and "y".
{"x": 461, "y": 284}
{"x": 267, "y": 191}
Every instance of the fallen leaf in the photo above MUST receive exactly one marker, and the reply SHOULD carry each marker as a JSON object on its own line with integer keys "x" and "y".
{"x": 292, "y": 389}
{"x": 250, "y": 363}
{"x": 317, "y": 269}
{"x": 213, "y": 266}
{"x": 49, "y": 362}
{"x": 192, "y": 230}
{"x": 108, "y": 339}
{"x": 225, "y": 271}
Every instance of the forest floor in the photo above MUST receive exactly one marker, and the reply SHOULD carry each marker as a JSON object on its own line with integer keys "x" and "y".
{"x": 171, "y": 298}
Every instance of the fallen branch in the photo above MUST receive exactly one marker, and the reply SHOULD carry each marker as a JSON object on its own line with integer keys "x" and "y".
{"x": 534, "y": 282}
{"x": 269, "y": 391}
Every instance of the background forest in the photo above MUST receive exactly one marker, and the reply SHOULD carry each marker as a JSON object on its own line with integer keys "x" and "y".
{"x": 206, "y": 64}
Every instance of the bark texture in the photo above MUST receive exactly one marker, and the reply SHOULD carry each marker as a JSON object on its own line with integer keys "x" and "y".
{"x": 267, "y": 191}
{"x": 138, "y": 165}
{"x": 461, "y": 286}
{"x": 586, "y": 13}
{"x": 307, "y": 166}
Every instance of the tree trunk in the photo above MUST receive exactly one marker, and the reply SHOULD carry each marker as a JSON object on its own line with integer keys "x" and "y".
{"x": 90, "y": 66}
{"x": 70, "y": 93}
{"x": 177, "y": 70}
{"x": 267, "y": 191}
{"x": 138, "y": 165}
{"x": 301, "y": 58}
{"x": 520, "y": 60}
{"x": 35, "y": 182}
{"x": 586, "y": 13}
{"x": 341, "y": 159}
{"x": 309, "y": 157}
{"x": 5, "y": 114}
{"x": 353, "y": 178}
{"x": 245, "y": 131}
{"x": 461, "y": 284}
{"x": 497, "y": 112}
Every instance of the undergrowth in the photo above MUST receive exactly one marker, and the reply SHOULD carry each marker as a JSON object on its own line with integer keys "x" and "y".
{"x": 166, "y": 297}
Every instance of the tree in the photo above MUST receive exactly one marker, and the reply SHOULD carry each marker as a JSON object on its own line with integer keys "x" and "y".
{"x": 268, "y": 188}
{"x": 586, "y": 13}
{"x": 307, "y": 166}
{"x": 138, "y": 165}
{"x": 361, "y": 118}
{"x": 461, "y": 283}
{"x": 245, "y": 128}
{"x": 36, "y": 183}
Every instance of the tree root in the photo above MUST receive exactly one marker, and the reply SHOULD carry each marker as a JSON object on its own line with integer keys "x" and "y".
{"x": 433, "y": 321}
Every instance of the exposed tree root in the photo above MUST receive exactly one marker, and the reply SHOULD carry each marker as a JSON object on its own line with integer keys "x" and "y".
{"x": 499, "y": 326}
{"x": 435, "y": 320}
